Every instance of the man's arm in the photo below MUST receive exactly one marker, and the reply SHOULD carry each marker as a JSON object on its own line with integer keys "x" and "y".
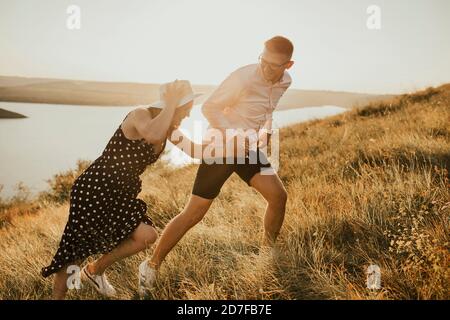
{"x": 265, "y": 132}
{"x": 225, "y": 96}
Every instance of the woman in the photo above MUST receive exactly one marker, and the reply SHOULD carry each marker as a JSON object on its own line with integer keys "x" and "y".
{"x": 105, "y": 214}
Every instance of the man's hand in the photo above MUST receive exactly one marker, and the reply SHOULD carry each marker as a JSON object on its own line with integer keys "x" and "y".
{"x": 263, "y": 139}
{"x": 247, "y": 148}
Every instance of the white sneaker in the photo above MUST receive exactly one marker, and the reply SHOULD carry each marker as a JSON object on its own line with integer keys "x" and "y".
{"x": 147, "y": 278}
{"x": 100, "y": 283}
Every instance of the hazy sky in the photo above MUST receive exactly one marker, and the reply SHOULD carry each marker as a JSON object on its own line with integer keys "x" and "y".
{"x": 204, "y": 40}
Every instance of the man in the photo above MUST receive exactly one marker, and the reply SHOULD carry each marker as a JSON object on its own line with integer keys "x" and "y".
{"x": 245, "y": 100}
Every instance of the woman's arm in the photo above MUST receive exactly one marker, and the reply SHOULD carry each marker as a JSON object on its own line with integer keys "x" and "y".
{"x": 155, "y": 130}
{"x": 197, "y": 151}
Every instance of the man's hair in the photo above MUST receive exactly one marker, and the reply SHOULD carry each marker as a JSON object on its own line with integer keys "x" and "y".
{"x": 280, "y": 44}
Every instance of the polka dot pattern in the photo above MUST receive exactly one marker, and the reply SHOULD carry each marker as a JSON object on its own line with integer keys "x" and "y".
{"x": 104, "y": 208}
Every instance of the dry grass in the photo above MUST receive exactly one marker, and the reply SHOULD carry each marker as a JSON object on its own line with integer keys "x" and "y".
{"x": 370, "y": 186}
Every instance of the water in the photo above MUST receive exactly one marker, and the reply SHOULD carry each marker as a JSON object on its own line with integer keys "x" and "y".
{"x": 54, "y": 137}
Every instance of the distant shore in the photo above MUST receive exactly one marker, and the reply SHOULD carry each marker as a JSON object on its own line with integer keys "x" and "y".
{"x": 6, "y": 114}
{"x": 95, "y": 93}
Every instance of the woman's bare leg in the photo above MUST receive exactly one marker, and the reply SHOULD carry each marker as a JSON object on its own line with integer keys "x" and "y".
{"x": 60, "y": 282}
{"x": 140, "y": 239}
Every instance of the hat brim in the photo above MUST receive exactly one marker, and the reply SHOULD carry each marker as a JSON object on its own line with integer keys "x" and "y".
{"x": 161, "y": 104}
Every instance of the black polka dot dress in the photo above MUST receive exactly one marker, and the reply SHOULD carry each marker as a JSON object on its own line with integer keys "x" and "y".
{"x": 104, "y": 208}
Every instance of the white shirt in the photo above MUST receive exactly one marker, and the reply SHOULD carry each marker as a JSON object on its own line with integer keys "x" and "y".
{"x": 245, "y": 100}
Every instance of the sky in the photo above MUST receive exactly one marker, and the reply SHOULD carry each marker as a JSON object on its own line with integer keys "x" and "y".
{"x": 155, "y": 41}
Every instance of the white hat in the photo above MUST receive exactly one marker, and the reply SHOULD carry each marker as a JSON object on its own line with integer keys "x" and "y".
{"x": 188, "y": 96}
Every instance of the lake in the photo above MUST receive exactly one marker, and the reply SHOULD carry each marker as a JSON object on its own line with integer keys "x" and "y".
{"x": 54, "y": 137}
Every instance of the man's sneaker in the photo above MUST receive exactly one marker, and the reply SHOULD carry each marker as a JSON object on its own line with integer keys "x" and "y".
{"x": 100, "y": 283}
{"x": 147, "y": 277}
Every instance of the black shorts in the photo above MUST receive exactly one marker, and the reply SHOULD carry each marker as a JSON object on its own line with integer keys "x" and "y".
{"x": 211, "y": 176}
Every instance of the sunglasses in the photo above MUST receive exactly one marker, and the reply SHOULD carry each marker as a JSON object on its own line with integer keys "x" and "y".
{"x": 271, "y": 65}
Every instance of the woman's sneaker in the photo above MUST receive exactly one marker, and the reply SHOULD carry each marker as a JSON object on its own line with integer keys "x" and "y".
{"x": 147, "y": 277}
{"x": 100, "y": 283}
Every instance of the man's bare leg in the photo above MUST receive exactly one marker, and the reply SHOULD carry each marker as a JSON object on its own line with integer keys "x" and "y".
{"x": 272, "y": 189}
{"x": 192, "y": 214}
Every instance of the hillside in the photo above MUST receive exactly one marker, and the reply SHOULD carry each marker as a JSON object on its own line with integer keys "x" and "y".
{"x": 369, "y": 186}
{"x": 59, "y": 91}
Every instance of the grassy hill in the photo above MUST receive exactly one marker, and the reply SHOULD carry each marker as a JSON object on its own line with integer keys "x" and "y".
{"x": 370, "y": 186}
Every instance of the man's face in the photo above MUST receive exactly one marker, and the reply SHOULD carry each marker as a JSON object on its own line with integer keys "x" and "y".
{"x": 274, "y": 64}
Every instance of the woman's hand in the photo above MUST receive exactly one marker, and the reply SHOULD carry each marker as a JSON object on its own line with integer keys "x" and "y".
{"x": 173, "y": 94}
{"x": 155, "y": 131}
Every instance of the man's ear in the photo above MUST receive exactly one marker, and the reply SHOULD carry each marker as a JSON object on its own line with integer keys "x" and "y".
{"x": 290, "y": 64}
